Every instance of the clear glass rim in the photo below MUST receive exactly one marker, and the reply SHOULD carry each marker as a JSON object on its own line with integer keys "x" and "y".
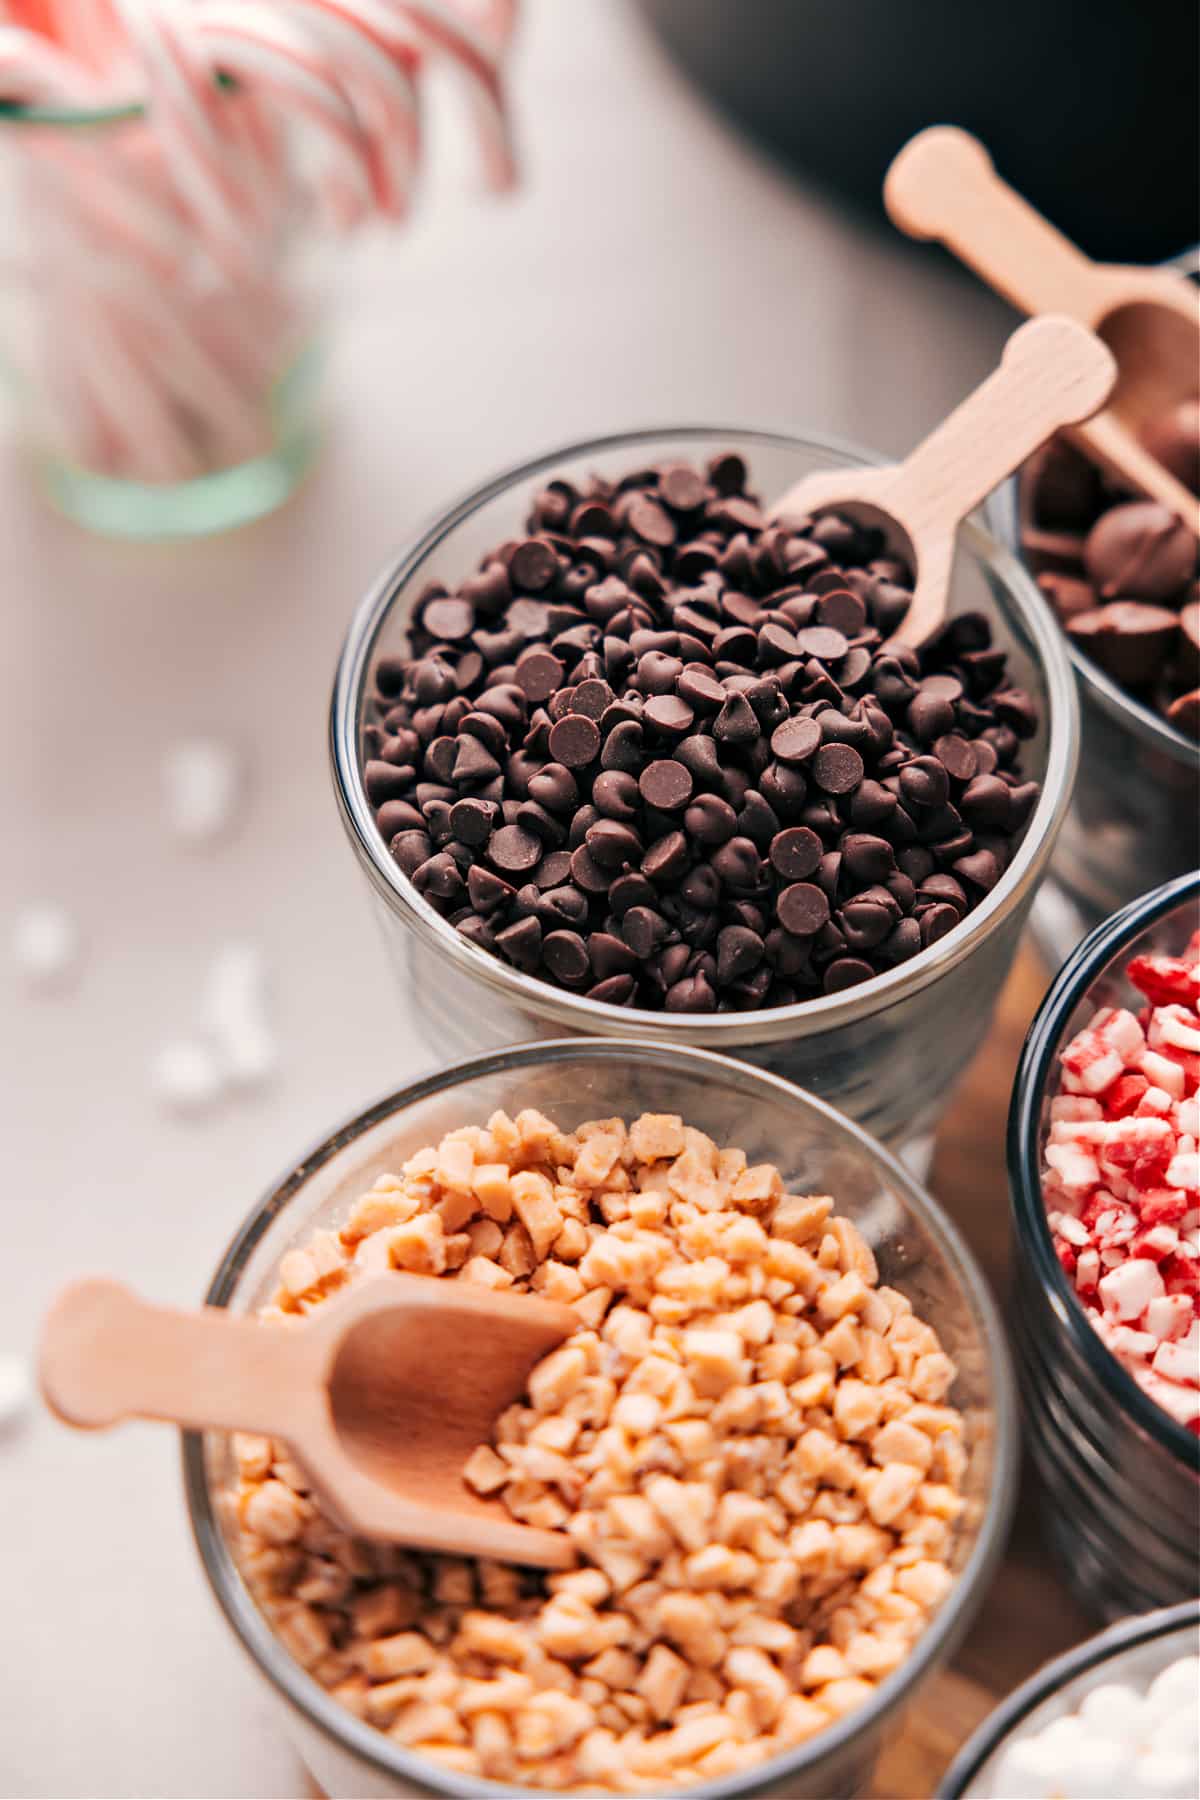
{"x": 805, "y": 1018}
{"x": 1109, "y": 941}
{"x": 1127, "y": 1634}
{"x": 13, "y": 112}
{"x": 17, "y": 113}
{"x": 938, "y": 1639}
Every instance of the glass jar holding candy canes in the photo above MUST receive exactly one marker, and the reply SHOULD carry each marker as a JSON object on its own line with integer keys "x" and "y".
{"x": 171, "y": 172}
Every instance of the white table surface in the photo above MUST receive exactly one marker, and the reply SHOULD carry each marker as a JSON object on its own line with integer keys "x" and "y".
{"x": 653, "y": 268}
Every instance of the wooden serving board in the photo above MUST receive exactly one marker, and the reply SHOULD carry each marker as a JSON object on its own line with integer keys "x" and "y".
{"x": 1028, "y": 1615}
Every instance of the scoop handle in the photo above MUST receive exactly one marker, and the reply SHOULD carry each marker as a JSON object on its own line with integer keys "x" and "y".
{"x": 943, "y": 185}
{"x": 107, "y": 1355}
{"x": 1052, "y": 373}
{"x": 1109, "y": 442}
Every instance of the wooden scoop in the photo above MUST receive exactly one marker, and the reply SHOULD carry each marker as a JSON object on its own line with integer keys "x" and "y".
{"x": 942, "y": 185}
{"x": 1051, "y": 374}
{"x": 381, "y": 1395}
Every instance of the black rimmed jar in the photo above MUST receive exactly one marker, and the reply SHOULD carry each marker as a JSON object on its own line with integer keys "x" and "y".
{"x": 1121, "y": 1477}
{"x": 887, "y": 1052}
{"x": 1133, "y": 1652}
{"x": 817, "y": 1150}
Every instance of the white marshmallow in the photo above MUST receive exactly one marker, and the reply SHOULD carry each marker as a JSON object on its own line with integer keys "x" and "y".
{"x": 202, "y": 782}
{"x": 1113, "y": 1710}
{"x": 16, "y": 1387}
{"x": 235, "y": 1011}
{"x": 1163, "y": 1775}
{"x": 186, "y": 1077}
{"x": 1178, "y": 1685}
{"x": 1120, "y": 1745}
{"x": 45, "y": 944}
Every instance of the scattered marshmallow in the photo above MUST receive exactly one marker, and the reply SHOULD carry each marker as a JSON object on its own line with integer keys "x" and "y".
{"x": 45, "y": 944}
{"x": 1123, "y": 1743}
{"x": 235, "y": 1009}
{"x": 16, "y": 1388}
{"x": 202, "y": 781}
{"x": 186, "y": 1076}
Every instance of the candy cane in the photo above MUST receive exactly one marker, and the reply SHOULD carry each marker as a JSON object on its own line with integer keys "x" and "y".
{"x": 183, "y": 106}
{"x": 278, "y": 63}
{"x": 383, "y": 90}
{"x": 161, "y": 370}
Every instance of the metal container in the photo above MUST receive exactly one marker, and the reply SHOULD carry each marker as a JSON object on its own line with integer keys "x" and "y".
{"x": 1122, "y": 1478}
{"x": 918, "y": 1250}
{"x": 859, "y": 1049}
{"x": 1133, "y": 1653}
{"x": 1135, "y": 814}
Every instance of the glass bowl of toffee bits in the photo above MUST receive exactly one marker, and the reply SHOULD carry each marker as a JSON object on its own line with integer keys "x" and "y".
{"x": 619, "y": 754}
{"x": 1122, "y": 577}
{"x": 405, "y": 1675}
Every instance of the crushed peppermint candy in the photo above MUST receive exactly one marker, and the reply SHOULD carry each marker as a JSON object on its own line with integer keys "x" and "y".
{"x": 1121, "y": 1179}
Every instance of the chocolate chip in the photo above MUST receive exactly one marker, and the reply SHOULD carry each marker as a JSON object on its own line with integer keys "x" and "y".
{"x": 956, "y": 755}
{"x": 610, "y": 956}
{"x": 650, "y": 522}
{"x": 681, "y": 487}
{"x": 837, "y": 768}
{"x": 397, "y": 815}
{"x": 693, "y": 994}
{"x": 739, "y": 951}
{"x": 666, "y": 784}
{"x": 384, "y": 781}
{"x": 936, "y": 922}
{"x": 1130, "y": 640}
{"x": 448, "y": 619}
{"x": 700, "y": 688}
{"x": 802, "y": 908}
{"x": 612, "y": 844}
{"x": 985, "y": 802}
{"x": 668, "y": 714}
{"x": 667, "y": 859}
{"x": 843, "y": 611}
{"x": 533, "y": 565}
{"x": 514, "y": 850}
{"x": 710, "y": 820}
{"x": 473, "y": 763}
{"x": 727, "y": 473}
{"x": 784, "y": 789}
{"x": 1139, "y": 551}
{"x": 981, "y": 867}
{"x": 796, "y": 852}
{"x": 409, "y": 849}
{"x": 868, "y": 859}
{"x": 865, "y": 924}
{"x": 796, "y": 740}
{"x": 473, "y": 821}
{"x": 565, "y": 955}
{"x": 738, "y": 865}
{"x": 555, "y": 788}
{"x": 846, "y": 972}
{"x": 575, "y": 741}
{"x": 822, "y": 642}
{"x": 521, "y": 943}
{"x": 925, "y": 782}
{"x": 644, "y": 931}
